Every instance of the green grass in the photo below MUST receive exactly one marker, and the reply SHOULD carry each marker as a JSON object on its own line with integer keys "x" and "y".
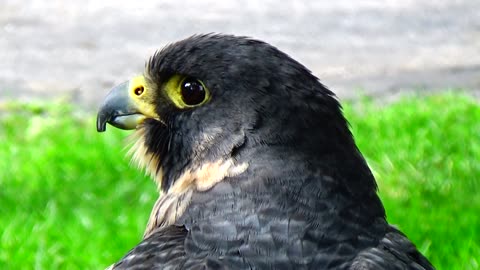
{"x": 70, "y": 200}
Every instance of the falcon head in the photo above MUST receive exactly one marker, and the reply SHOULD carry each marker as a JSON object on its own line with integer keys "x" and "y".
{"x": 212, "y": 108}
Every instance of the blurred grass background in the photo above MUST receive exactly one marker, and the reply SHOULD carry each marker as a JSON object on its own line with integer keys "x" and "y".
{"x": 70, "y": 200}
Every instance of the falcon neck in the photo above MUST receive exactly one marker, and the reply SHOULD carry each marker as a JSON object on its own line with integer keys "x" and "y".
{"x": 278, "y": 185}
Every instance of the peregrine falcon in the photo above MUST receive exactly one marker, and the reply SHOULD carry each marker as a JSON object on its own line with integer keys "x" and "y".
{"x": 255, "y": 162}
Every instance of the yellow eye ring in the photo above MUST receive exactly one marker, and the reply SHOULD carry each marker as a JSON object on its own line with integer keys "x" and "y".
{"x": 186, "y": 91}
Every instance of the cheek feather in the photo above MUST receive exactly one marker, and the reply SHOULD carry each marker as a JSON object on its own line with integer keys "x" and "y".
{"x": 143, "y": 158}
{"x": 200, "y": 176}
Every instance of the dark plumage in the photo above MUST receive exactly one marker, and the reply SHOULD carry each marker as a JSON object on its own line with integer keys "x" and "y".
{"x": 263, "y": 173}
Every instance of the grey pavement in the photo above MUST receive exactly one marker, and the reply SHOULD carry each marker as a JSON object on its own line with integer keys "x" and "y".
{"x": 79, "y": 49}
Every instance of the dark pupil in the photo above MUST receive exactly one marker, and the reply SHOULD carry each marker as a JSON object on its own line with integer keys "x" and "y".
{"x": 192, "y": 92}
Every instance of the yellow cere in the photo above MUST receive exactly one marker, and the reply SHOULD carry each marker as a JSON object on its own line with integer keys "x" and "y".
{"x": 137, "y": 82}
{"x": 142, "y": 96}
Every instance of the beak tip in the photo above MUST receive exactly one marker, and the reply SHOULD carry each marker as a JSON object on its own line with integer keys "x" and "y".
{"x": 101, "y": 124}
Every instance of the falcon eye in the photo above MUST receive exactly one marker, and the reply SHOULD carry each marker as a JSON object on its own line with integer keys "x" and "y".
{"x": 139, "y": 90}
{"x": 186, "y": 91}
{"x": 193, "y": 91}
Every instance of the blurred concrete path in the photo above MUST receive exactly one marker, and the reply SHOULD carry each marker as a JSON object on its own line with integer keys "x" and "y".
{"x": 80, "y": 49}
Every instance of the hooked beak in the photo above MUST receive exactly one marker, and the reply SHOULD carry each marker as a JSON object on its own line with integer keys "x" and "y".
{"x": 118, "y": 110}
{"x": 125, "y": 107}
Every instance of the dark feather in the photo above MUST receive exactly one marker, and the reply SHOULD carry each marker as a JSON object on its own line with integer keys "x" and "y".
{"x": 306, "y": 200}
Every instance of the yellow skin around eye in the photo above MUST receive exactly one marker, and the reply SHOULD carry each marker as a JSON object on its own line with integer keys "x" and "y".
{"x": 173, "y": 89}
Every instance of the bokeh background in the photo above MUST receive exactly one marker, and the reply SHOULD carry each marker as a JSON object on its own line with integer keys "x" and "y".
{"x": 81, "y": 48}
{"x": 407, "y": 72}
